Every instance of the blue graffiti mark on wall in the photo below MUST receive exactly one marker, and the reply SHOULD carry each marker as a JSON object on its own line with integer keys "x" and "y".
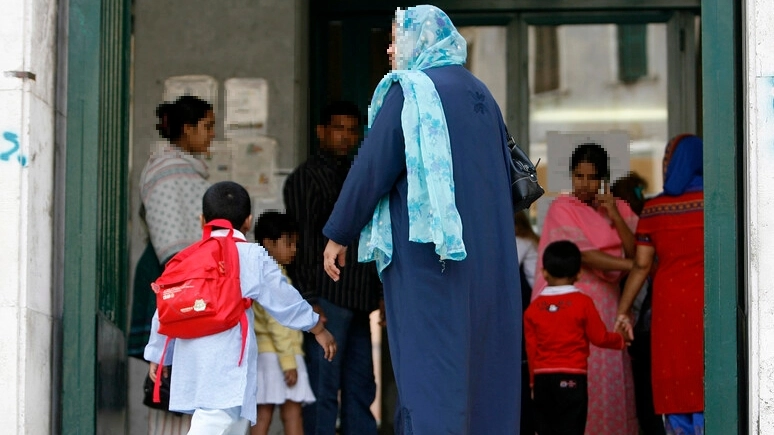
{"x": 5, "y": 156}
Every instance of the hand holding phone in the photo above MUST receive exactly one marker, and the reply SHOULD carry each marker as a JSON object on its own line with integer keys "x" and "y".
{"x": 605, "y": 199}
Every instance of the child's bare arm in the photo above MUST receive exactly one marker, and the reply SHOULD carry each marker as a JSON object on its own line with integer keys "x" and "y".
{"x": 597, "y": 332}
{"x": 324, "y": 339}
{"x": 152, "y": 371}
{"x": 291, "y": 377}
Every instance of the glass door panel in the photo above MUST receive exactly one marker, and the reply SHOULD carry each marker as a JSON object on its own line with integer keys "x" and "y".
{"x": 600, "y": 78}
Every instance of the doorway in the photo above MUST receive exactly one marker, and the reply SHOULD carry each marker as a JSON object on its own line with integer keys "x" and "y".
{"x": 668, "y": 88}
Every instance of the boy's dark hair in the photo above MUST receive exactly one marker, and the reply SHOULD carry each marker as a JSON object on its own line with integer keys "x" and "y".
{"x": 346, "y": 108}
{"x": 226, "y": 200}
{"x": 562, "y": 259}
{"x": 596, "y": 155}
{"x": 272, "y": 225}
{"x": 186, "y": 110}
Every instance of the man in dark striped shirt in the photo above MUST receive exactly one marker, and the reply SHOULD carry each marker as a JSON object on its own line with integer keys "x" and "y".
{"x": 310, "y": 193}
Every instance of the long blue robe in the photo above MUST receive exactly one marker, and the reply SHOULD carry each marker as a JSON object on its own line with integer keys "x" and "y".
{"x": 454, "y": 327}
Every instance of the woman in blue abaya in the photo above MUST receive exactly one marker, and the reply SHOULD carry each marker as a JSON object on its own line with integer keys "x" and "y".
{"x": 429, "y": 197}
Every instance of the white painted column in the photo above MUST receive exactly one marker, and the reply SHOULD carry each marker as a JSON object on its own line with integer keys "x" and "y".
{"x": 27, "y": 73}
{"x": 759, "y": 111}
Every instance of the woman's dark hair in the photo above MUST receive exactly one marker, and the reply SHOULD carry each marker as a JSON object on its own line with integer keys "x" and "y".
{"x": 596, "y": 155}
{"x": 562, "y": 259}
{"x": 186, "y": 110}
{"x": 272, "y": 225}
{"x": 226, "y": 200}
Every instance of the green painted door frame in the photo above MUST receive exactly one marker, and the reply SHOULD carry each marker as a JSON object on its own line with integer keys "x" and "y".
{"x": 96, "y": 185}
{"x": 79, "y": 304}
{"x": 93, "y": 394}
{"x": 725, "y": 361}
{"x": 726, "y": 406}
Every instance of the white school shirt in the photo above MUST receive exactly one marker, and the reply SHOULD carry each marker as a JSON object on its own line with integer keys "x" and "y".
{"x": 205, "y": 373}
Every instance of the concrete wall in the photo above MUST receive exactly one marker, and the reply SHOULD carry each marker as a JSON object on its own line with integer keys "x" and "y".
{"x": 231, "y": 38}
{"x": 759, "y": 111}
{"x": 224, "y": 39}
{"x": 27, "y": 74}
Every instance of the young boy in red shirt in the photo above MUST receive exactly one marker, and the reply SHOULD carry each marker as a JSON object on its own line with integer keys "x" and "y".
{"x": 558, "y": 326}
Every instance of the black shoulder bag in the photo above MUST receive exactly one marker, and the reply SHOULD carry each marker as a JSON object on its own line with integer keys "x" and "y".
{"x": 524, "y": 183}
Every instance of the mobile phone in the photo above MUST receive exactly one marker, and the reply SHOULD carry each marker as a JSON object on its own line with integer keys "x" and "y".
{"x": 602, "y": 186}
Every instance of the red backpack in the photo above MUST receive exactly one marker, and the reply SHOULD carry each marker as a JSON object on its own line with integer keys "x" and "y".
{"x": 199, "y": 293}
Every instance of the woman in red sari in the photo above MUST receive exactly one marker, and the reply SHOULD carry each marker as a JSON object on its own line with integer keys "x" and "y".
{"x": 603, "y": 228}
{"x": 671, "y": 228}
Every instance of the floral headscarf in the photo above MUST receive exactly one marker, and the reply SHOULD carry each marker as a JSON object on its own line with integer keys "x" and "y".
{"x": 425, "y": 38}
{"x": 683, "y": 165}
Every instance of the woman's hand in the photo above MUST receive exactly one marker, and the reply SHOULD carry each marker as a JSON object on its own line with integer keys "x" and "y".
{"x": 291, "y": 377}
{"x": 606, "y": 201}
{"x": 333, "y": 254}
{"x": 623, "y": 326}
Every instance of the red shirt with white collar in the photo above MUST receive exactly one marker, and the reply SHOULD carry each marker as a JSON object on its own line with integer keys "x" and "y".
{"x": 558, "y": 326}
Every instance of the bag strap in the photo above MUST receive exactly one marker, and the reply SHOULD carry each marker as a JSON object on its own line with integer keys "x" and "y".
{"x": 510, "y": 141}
{"x": 157, "y": 383}
{"x": 220, "y": 223}
{"x": 243, "y": 323}
{"x": 246, "y": 303}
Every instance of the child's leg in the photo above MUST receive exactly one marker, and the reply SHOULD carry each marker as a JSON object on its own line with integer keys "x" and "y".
{"x": 561, "y": 404}
{"x": 575, "y": 394}
{"x": 263, "y": 421}
{"x": 543, "y": 405}
{"x": 218, "y": 422}
{"x": 291, "y": 418}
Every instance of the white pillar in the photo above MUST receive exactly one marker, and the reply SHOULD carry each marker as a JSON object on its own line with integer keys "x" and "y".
{"x": 27, "y": 77}
{"x": 759, "y": 111}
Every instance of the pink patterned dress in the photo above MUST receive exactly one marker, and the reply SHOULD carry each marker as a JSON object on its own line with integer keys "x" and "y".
{"x": 611, "y": 387}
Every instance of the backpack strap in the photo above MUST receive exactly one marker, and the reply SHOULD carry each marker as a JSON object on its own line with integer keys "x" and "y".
{"x": 220, "y": 223}
{"x": 157, "y": 383}
{"x": 247, "y": 303}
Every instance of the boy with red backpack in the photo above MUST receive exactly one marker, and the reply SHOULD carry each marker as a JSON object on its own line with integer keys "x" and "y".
{"x": 202, "y": 323}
